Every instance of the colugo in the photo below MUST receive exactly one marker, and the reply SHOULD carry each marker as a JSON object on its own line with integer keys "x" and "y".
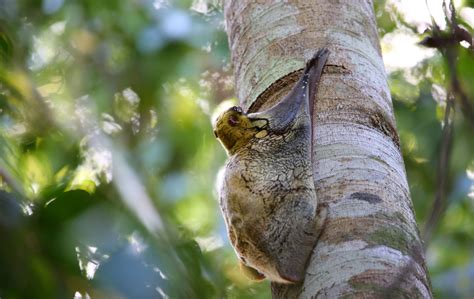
{"x": 267, "y": 194}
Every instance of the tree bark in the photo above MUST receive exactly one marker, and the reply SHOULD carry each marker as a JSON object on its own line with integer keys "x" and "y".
{"x": 370, "y": 247}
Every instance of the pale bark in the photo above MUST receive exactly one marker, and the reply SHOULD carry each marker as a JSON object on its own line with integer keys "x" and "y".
{"x": 370, "y": 246}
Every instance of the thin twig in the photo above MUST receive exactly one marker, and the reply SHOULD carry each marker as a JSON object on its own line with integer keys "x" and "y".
{"x": 449, "y": 51}
{"x": 466, "y": 106}
{"x": 442, "y": 169}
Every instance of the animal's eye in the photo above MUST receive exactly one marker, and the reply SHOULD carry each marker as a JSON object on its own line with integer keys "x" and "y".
{"x": 233, "y": 120}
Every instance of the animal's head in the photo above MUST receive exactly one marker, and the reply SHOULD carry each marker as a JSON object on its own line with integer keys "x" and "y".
{"x": 235, "y": 129}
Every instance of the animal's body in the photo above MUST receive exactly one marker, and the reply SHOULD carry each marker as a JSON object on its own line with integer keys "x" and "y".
{"x": 267, "y": 195}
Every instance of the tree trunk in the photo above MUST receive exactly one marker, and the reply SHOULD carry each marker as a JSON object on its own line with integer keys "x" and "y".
{"x": 370, "y": 246}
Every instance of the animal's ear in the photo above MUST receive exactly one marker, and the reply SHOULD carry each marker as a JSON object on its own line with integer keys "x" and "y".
{"x": 300, "y": 98}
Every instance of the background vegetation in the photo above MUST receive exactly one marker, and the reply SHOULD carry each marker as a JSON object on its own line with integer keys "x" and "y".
{"x": 108, "y": 160}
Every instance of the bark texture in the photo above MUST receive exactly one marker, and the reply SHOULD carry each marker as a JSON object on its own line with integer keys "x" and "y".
{"x": 370, "y": 247}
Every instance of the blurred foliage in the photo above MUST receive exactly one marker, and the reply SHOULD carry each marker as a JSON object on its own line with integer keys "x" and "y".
{"x": 108, "y": 161}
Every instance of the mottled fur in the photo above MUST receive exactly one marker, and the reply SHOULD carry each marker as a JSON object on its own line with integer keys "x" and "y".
{"x": 267, "y": 196}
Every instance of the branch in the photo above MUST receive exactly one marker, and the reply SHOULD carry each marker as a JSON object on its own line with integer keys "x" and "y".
{"x": 446, "y": 42}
